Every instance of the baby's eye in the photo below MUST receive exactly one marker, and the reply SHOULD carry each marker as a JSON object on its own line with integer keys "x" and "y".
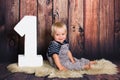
{"x": 57, "y": 34}
{"x": 63, "y": 34}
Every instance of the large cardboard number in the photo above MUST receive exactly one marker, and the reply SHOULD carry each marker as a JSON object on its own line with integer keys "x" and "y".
{"x": 27, "y": 27}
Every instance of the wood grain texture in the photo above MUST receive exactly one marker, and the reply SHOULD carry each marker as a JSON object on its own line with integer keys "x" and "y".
{"x": 106, "y": 27}
{"x": 76, "y": 33}
{"x": 117, "y": 27}
{"x": 92, "y": 27}
{"x": 60, "y": 11}
{"x": 44, "y": 25}
{"x": 10, "y": 38}
{"x": 28, "y": 7}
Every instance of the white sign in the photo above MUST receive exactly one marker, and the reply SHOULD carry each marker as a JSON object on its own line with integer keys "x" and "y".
{"x": 27, "y": 27}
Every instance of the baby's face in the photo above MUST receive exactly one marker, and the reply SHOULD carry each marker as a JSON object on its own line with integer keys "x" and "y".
{"x": 60, "y": 34}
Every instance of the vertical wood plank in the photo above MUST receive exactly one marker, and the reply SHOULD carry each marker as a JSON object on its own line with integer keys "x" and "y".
{"x": 60, "y": 11}
{"x": 106, "y": 27}
{"x": 2, "y": 11}
{"x": 92, "y": 28}
{"x": 2, "y": 31}
{"x": 11, "y": 14}
{"x": 117, "y": 28}
{"x": 27, "y": 7}
{"x": 44, "y": 25}
{"x": 76, "y": 31}
{"x": 10, "y": 43}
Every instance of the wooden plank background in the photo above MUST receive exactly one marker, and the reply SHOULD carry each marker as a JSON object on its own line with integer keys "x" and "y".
{"x": 76, "y": 35}
{"x": 93, "y": 26}
{"x": 9, "y": 39}
{"x": 44, "y": 25}
{"x": 106, "y": 27}
{"x": 117, "y": 28}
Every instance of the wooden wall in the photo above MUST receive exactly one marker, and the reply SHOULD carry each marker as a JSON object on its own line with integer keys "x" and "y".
{"x": 99, "y": 27}
{"x": 117, "y": 28}
{"x": 93, "y": 26}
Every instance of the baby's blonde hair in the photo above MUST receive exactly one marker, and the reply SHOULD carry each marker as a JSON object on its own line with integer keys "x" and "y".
{"x": 57, "y": 25}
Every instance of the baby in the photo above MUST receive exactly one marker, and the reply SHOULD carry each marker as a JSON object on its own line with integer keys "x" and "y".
{"x": 59, "y": 54}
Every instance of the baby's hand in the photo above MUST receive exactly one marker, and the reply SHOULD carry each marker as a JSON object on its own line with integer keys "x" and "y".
{"x": 62, "y": 68}
{"x": 73, "y": 61}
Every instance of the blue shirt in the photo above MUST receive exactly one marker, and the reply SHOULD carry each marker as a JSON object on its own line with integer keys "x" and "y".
{"x": 54, "y": 47}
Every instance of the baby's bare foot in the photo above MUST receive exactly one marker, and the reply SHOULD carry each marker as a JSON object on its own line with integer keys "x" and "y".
{"x": 93, "y": 62}
{"x": 87, "y": 66}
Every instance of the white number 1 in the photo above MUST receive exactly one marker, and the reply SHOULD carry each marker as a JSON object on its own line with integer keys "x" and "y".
{"x": 27, "y": 26}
